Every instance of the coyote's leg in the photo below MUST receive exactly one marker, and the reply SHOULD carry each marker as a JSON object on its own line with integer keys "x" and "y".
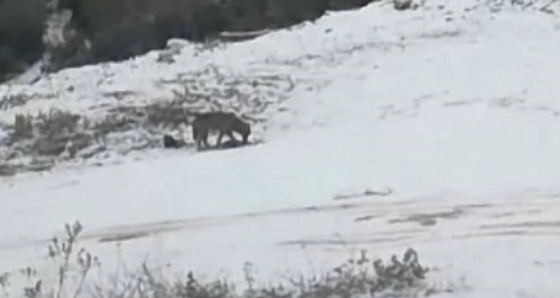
{"x": 232, "y": 137}
{"x": 202, "y": 139}
{"x": 205, "y": 140}
{"x": 220, "y": 136}
{"x": 199, "y": 142}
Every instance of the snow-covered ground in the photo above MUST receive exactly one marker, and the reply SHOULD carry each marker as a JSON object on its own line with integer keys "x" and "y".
{"x": 453, "y": 107}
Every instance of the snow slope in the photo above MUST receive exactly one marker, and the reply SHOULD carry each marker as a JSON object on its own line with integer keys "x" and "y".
{"x": 453, "y": 108}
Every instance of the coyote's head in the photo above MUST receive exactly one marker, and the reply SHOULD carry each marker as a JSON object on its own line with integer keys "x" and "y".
{"x": 242, "y": 128}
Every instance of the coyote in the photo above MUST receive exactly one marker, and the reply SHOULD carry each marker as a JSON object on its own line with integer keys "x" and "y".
{"x": 223, "y": 122}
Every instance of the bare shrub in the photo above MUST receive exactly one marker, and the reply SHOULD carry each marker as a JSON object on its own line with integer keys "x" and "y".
{"x": 171, "y": 114}
{"x": 51, "y": 133}
{"x": 13, "y": 100}
{"x": 23, "y": 127}
{"x": 72, "y": 265}
{"x": 61, "y": 251}
{"x": 47, "y": 134}
{"x": 114, "y": 122}
{"x": 57, "y": 122}
{"x": 356, "y": 277}
{"x": 57, "y": 144}
{"x": 152, "y": 117}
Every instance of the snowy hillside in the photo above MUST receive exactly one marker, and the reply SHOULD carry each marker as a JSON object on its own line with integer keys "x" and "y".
{"x": 453, "y": 106}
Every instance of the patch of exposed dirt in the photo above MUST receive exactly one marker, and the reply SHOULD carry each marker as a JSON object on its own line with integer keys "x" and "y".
{"x": 513, "y": 232}
{"x": 527, "y": 224}
{"x": 366, "y": 217}
{"x": 365, "y": 193}
{"x": 343, "y": 242}
{"x": 123, "y": 237}
{"x": 429, "y": 219}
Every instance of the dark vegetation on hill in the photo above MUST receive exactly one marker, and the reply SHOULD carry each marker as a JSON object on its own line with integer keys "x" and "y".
{"x": 110, "y": 30}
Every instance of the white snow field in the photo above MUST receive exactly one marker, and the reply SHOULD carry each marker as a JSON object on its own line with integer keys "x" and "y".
{"x": 452, "y": 106}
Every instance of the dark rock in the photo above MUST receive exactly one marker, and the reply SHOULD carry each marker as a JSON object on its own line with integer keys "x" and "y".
{"x": 402, "y": 4}
{"x": 170, "y": 142}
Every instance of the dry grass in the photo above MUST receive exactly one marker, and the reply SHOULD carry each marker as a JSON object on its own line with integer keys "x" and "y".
{"x": 56, "y": 136}
{"x": 356, "y": 277}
